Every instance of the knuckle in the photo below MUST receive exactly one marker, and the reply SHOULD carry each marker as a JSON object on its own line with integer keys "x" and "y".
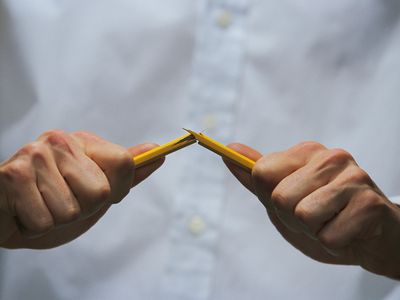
{"x": 56, "y": 138}
{"x": 262, "y": 172}
{"x": 303, "y": 214}
{"x": 279, "y": 200}
{"x": 70, "y": 214}
{"x": 263, "y": 178}
{"x": 43, "y": 224}
{"x": 357, "y": 175}
{"x": 337, "y": 157}
{"x": 373, "y": 202}
{"x": 36, "y": 150}
{"x": 123, "y": 160}
{"x": 18, "y": 170}
{"x": 102, "y": 193}
{"x": 329, "y": 240}
{"x": 309, "y": 146}
{"x": 54, "y": 133}
{"x": 86, "y": 135}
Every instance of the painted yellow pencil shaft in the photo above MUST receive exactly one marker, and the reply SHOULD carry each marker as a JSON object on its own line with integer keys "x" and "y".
{"x": 160, "y": 151}
{"x": 188, "y": 139}
{"x": 223, "y": 151}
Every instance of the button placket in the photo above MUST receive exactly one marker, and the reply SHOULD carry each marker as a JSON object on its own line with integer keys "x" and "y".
{"x": 224, "y": 19}
{"x": 212, "y": 101}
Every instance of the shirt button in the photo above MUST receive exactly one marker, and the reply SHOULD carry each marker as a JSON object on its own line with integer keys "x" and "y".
{"x": 209, "y": 122}
{"x": 197, "y": 225}
{"x": 224, "y": 19}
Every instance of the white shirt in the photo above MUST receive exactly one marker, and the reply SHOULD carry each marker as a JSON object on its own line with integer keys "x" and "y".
{"x": 266, "y": 73}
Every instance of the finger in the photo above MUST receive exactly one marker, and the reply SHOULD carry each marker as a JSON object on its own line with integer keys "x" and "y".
{"x": 58, "y": 197}
{"x": 321, "y": 206}
{"x": 302, "y": 199}
{"x": 241, "y": 174}
{"x": 33, "y": 216}
{"x": 321, "y": 169}
{"x": 144, "y": 171}
{"x": 113, "y": 159}
{"x": 361, "y": 219}
{"x": 86, "y": 180}
{"x": 117, "y": 163}
{"x": 346, "y": 228}
{"x": 141, "y": 148}
{"x": 273, "y": 168}
{"x": 23, "y": 199}
{"x": 311, "y": 247}
{"x": 325, "y": 203}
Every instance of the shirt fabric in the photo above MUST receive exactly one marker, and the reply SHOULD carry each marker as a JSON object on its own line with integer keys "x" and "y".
{"x": 266, "y": 73}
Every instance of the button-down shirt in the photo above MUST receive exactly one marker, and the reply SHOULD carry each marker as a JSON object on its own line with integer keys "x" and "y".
{"x": 266, "y": 73}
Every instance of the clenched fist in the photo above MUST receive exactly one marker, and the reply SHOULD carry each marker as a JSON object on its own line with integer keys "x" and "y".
{"x": 326, "y": 206}
{"x": 54, "y": 189}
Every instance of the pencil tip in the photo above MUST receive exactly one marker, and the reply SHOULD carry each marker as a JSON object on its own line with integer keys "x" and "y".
{"x": 188, "y": 130}
{"x": 193, "y": 133}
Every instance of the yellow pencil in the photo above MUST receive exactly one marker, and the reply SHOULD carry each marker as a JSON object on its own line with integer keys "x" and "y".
{"x": 223, "y": 151}
{"x": 160, "y": 151}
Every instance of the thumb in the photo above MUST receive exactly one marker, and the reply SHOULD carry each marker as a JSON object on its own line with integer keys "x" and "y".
{"x": 244, "y": 176}
{"x": 146, "y": 170}
{"x": 112, "y": 158}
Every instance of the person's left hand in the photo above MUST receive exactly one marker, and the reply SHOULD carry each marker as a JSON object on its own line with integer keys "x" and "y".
{"x": 326, "y": 206}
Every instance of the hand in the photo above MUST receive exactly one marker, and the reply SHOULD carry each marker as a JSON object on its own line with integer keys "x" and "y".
{"x": 326, "y": 206}
{"x": 56, "y": 188}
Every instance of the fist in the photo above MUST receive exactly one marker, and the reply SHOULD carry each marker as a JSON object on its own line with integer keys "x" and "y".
{"x": 54, "y": 189}
{"x": 326, "y": 206}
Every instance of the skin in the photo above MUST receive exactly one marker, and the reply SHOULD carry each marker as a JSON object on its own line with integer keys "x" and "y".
{"x": 56, "y": 188}
{"x": 326, "y": 206}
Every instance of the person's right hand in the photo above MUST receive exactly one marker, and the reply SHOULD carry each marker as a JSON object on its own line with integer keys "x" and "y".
{"x": 56, "y": 188}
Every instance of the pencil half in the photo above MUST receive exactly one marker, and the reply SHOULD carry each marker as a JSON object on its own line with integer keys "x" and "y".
{"x": 222, "y": 150}
{"x": 163, "y": 150}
